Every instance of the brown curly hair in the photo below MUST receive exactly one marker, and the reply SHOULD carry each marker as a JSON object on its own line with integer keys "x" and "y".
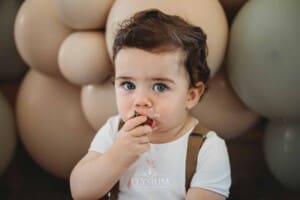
{"x": 155, "y": 31}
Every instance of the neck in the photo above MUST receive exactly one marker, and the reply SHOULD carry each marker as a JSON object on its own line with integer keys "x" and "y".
{"x": 174, "y": 133}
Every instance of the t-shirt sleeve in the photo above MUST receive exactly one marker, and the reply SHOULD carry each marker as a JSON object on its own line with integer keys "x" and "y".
{"x": 213, "y": 166}
{"x": 104, "y": 138}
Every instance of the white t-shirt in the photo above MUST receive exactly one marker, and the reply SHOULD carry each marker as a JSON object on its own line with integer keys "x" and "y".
{"x": 160, "y": 172}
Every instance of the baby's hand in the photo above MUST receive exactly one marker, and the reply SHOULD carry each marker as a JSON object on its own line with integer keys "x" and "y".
{"x": 148, "y": 122}
{"x": 132, "y": 140}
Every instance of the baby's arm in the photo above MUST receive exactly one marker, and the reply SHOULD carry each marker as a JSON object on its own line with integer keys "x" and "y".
{"x": 96, "y": 173}
{"x": 212, "y": 178}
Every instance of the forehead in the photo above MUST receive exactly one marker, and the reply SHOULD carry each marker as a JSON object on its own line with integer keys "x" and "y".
{"x": 137, "y": 59}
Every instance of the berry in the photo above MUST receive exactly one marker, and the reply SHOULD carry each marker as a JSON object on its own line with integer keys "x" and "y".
{"x": 148, "y": 122}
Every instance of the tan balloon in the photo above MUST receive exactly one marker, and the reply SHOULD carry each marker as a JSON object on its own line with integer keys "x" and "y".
{"x": 99, "y": 103}
{"x": 39, "y": 34}
{"x": 51, "y": 123}
{"x": 207, "y": 14}
{"x": 222, "y": 111}
{"x": 83, "y": 58}
{"x": 80, "y": 14}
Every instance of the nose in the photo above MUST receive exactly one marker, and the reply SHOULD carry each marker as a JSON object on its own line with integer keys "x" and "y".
{"x": 142, "y": 100}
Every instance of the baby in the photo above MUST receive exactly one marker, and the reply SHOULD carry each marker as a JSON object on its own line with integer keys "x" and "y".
{"x": 160, "y": 72}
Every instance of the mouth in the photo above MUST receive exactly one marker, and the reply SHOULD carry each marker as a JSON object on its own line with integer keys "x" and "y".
{"x": 150, "y": 122}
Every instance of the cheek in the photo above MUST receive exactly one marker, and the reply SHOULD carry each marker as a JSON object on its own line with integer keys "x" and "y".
{"x": 123, "y": 104}
{"x": 172, "y": 108}
{"x": 121, "y": 91}
{"x": 121, "y": 101}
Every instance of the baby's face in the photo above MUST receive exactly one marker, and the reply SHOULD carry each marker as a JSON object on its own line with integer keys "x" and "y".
{"x": 152, "y": 84}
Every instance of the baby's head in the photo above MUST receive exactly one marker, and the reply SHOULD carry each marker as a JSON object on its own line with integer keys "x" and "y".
{"x": 157, "y": 32}
{"x": 160, "y": 67}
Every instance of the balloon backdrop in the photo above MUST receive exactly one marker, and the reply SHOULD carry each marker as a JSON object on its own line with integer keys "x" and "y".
{"x": 221, "y": 110}
{"x": 263, "y": 58}
{"x": 282, "y": 150}
{"x": 57, "y": 120}
{"x": 208, "y": 14}
{"x": 80, "y": 14}
{"x": 39, "y": 34}
{"x": 12, "y": 67}
{"x": 52, "y": 126}
{"x": 7, "y": 134}
{"x": 83, "y": 58}
{"x": 99, "y": 103}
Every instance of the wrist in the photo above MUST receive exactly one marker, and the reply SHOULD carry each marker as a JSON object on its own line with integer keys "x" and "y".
{"x": 115, "y": 157}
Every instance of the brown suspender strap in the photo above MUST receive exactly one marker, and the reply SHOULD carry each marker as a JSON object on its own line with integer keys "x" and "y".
{"x": 195, "y": 142}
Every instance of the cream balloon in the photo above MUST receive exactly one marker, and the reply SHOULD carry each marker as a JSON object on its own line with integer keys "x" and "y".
{"x": 52, "y": 126}
{"x": 207, "y": 14}
{"x": 39, "y": 34}
{"x": 99, "y": 103}
{"x": 222, "y": 111}
{"x": 80, "y": 14}
{"x": 8, "y": 137}
{"x": 83, "y": 58}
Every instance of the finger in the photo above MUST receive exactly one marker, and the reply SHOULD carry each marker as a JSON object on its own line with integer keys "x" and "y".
{"x": 130, "y": 114}
{"x": 133, "y": 123}
{"x": 140, "y": 131}
{"x": 143, "y": 140}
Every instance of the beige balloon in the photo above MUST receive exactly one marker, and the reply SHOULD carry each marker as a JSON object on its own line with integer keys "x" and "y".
{"x": 8, "y": 139}
{"x": 99, "y": 103}
{"x": 222, "y": 111}
{"x": 207, "y": 14}
{"x": 39, "y": 34}
{"x": 51, "y": 123}
{"x": 78, "y": 14}
{"x": 83, "y": 58}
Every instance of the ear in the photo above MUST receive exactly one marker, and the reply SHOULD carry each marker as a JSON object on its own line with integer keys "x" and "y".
{"x": 194, "y": 95}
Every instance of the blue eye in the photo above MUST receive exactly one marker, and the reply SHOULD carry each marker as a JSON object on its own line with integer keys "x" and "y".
{"x": 128, "y": 86}
{"x": 160, "y": 87}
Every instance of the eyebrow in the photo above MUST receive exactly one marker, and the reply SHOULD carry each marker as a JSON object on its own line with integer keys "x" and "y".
{"x": 163, "y": 80}
{"x": 123, "y": 78}
{"x": 154, "y": 79}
